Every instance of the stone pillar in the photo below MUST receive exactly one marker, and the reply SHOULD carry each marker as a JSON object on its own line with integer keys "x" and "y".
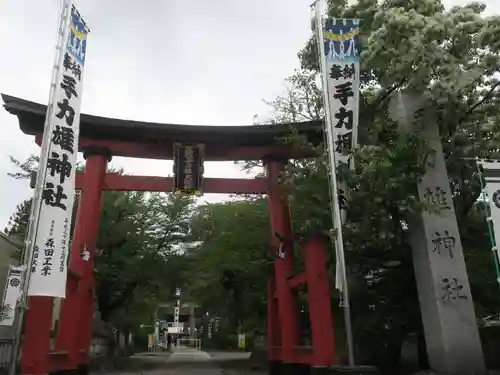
{"x": 449, "y": 321}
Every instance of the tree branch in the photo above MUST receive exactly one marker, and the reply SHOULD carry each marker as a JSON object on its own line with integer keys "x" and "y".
{"x": 389, "y": 92}
{"x": 479, "y": 103}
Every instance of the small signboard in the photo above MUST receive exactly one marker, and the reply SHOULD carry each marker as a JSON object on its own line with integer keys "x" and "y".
{"x": 241, "y": 341}
{"x": 150, "y": 340}
{"x": 11, "y": 295}
{"x": 188, "y": 168}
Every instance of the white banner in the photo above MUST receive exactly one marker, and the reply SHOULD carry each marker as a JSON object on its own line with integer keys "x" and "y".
{"x": 177, "y": 312}
{"x": 491, "y": 172}
{"x": 11, "y": 295}
{"x": 340, "y": 38}
{"x": 50, "y": 254}
{"x": 341, "y": 69}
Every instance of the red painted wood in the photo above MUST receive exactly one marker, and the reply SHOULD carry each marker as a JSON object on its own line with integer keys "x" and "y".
{"x": 75, "y": 262}
{"x": 86, "y": 329}
{"x": 298, "y": 280}
{"x": 75, "y": 331}
{"x": 164, "y": 150}
{"x": 114, "y": 181}
{"x": 273, "y": 323}
{"x": 320, "y": 312}
{"x": 36, "y": 343}
{"x": 303, "y": 355}
{"x": 57, "y": 361}
{"x": 95, "y": 170}
{"x": 77, "y": 309}
{"x": 70, "y": 307}
{"x": 280, "y": 222}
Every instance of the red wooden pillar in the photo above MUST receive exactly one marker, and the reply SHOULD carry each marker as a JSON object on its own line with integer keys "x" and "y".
{"x": 36, "y": 341}
{"x": 75, "y": 324}
{"x": 273, "y": 329}
{"x": 68, "y": 316}
{"x": 283, "y": 267}
{"x": 320, "y": 312}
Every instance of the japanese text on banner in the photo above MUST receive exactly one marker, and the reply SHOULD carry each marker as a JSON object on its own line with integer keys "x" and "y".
{"x": 491, "y": 172}
{"x": 50, "y": 257}
{"x": 342, "y": 50}
{"x": 341, "y": 72}
{"x": 11, "y": 295}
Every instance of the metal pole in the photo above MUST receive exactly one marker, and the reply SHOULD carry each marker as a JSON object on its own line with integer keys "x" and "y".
{"x": 27, "y": 258}
{"x": 155, "y": 329}
{"x": 337, "y": 217}
{"x": 177, "y": 323}
{"x": 487, "y": 213}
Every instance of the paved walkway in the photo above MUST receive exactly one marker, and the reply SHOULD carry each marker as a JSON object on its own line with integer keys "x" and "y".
{"x": 178, "y": 362}
{"x": 197, "y": 358}
{"x": 189, "y": 355}
{"x": 202, "y": 363}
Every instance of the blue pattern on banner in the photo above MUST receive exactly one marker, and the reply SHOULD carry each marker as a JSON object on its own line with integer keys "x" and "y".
{"x": 77, "y": 39}
{"x": 341, "y": 39}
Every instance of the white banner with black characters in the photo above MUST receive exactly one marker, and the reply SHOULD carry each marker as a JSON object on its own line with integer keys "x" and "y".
{"x": 11, "y": 295}
{"x": 342, "y": 49}
{"x": 177, "y": 314}
{"x": 341, "y": 69}
{"x": 50, "y": 253}
{"x": 491, "y": 173}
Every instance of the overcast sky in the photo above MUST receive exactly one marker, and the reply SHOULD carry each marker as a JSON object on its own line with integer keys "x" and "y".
{"x": 181, "y": 61}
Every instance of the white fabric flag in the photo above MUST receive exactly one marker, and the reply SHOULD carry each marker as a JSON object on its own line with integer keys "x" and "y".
{"x": 491, "y": 172}
{"x": 340, "y": 70}
{"x": 11, "y": 295}
{"x": 58, "y": 168}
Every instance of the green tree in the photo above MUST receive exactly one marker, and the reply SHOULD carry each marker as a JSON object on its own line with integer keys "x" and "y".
{"x": 450, "y": 57}
{"x": 141, "y": 236}
{"x": 18, "y": 222}
{"x": 26, "y": 168}
{"x": 230, "y": 265}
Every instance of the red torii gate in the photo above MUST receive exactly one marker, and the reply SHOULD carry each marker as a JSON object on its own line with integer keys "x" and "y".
{"x": 100, "y": 139}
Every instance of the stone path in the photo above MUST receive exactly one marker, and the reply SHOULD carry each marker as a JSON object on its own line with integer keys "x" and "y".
{"x": 197, "y": 358}
{"x": 182, "y": 356}
{"x": 202, "y": 362}
{"x": 184, "y": 361}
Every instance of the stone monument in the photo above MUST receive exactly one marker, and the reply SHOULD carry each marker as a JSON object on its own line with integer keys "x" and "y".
{"x": 450, "y": 327}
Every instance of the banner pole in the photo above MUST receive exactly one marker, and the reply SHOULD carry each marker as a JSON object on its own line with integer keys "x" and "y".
{"x": 336, "y": 213}
{"x": 27, "y": 257}
{"x": 487, "y": 213}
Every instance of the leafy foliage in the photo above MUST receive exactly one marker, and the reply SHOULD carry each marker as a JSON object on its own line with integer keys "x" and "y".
{"x": 139, "y": 236}
{"x": 219, "y": 252}
{"x": 26, "y": 168}
{"x": 137, "y": 268}
{"x": 231, "y": 262}
{"x": 303, "y": 100}
{"x": 18, "y": 222}
{"x": 450, "y": 58}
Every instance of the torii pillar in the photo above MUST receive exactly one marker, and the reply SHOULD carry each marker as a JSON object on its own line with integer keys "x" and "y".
{"x": 75, "y": 326}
